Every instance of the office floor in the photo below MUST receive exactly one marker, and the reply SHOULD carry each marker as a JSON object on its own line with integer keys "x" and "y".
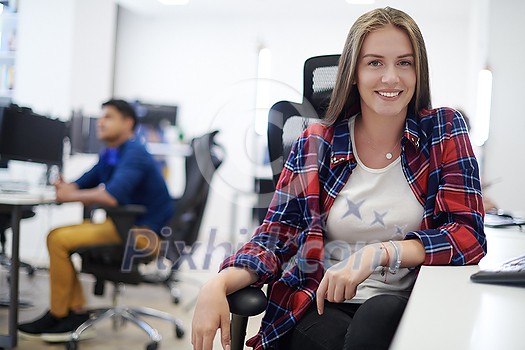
{"x": 36, "y": 290}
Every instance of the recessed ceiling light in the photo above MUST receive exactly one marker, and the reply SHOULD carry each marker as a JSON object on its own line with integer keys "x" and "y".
{"x": 174, "y": 2}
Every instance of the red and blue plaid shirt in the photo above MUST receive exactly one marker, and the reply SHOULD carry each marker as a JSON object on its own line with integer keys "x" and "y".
{"x": 287, "y": 249}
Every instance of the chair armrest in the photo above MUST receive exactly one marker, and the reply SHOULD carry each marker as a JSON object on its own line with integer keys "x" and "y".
{"x": 249, "y": 301}
{"x": 129, "y": 209}
{"x": 123, "y": 216}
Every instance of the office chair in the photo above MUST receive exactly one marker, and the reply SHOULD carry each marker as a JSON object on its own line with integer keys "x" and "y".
{"x": 105, "y": 262}
{"x": 286, "y": 121}
{"x": 185, "y": 225}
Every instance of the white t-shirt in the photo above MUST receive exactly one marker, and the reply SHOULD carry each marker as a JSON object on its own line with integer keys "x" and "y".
{"x": 375, "y": 205}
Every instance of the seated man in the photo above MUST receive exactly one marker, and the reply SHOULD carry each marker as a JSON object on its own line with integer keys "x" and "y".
{"x": 125, "y": 174}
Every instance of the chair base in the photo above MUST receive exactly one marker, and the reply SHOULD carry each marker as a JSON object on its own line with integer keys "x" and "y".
{"x": 6, "y": 263}
{"x": 172, "y": 283}
{"x": 132, "y": 314}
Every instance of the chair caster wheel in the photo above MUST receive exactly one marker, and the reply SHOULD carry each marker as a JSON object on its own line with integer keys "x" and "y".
{"x": 152, "y": 346}
{"x": 30, "y": 271}
{"x": 71, "y": 345}
{"x": 179, "y": 332}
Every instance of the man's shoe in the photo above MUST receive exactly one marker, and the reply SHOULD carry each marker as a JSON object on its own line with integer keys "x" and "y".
{"x": 34, "y": 329}
{"x": 63, "y": 330}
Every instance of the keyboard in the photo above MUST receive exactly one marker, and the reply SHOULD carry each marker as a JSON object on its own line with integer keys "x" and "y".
{"x": 502, "y": 219}
{"x": 511, "y": 272}
{"x": 13, "y": 186}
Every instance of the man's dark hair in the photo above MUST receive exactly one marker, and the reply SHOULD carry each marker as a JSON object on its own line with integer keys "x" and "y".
{"x": 123, "y": 107}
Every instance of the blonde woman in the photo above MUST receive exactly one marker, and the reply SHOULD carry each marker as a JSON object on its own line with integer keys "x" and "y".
{"x": 385, "y": 185}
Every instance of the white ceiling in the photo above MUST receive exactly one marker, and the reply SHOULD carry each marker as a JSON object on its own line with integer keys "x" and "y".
{"x": 321, "y": 9}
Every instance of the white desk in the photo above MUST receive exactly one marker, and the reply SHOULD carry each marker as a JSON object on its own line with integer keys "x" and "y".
{"x": 167, "y": 149}
{"x": 447, "y": 311}
{"x": 12, "y": 203}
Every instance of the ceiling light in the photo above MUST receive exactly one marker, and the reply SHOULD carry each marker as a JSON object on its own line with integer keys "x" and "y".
{"x": 484, "y": 99}
{"x": 174, "y": 2}
{"x": 360, "y": 2}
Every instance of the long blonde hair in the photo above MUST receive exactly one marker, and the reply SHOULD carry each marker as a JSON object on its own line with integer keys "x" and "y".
{"x": 345, "y": 96}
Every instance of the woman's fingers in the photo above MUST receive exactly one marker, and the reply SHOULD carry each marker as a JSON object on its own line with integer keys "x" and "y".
{"x": 331, "y": 288}
{"x": 320, "y": 295}
{"x": 207, "y": 342}
{"x": 196, "y": 341}
{"x": 339, "y": 292}
{"x": 225, "y": 331}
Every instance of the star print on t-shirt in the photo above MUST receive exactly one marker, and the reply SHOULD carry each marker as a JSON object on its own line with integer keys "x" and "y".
{"x": 353, "y": 208}
{"x": 400, "y": 230}
{"x": 379, "y": 218}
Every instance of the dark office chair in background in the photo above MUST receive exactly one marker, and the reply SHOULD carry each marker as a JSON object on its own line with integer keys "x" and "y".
{"x": 189, "y": 208}
{"x": 286, "y": 121}
{"x": 105, "y": 262}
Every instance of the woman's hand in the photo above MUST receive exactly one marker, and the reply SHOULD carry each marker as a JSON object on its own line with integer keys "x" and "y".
{"x": 341, "y": 280}
{"x": 211, "y": 313}
{"x": 212, "y": 310}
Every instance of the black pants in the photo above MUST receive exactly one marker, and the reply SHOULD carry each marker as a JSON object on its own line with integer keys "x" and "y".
{"x": 346, "y": 326}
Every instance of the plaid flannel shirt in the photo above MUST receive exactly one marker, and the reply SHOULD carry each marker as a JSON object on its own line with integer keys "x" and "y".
{"x": 286, "y": 251}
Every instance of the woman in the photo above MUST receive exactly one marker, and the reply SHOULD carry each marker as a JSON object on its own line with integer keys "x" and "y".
{"x": 384, "y": 186}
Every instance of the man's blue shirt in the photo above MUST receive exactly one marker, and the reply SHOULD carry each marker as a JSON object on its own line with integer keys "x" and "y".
{"x": 132, "y": 176}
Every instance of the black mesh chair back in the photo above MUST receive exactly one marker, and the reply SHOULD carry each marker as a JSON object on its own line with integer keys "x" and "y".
{"x": 201, "y": 165}
{"x": 320, "y": 73}
{"x": 287, "y": 120}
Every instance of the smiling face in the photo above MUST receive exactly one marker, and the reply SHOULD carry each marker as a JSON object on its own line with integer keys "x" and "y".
{"x": 386, "y": 74}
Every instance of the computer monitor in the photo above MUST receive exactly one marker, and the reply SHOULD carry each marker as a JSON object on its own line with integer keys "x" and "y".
{"x": 155, "y": 115}
{"x": 82, "y": 132}
{"x": 27, "y": 136}
{"x": 82, "y": 129}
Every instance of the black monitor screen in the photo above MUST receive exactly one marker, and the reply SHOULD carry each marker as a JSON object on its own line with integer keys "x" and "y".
{"x": 27, "y": 136}
{"x": 83, "y": 134}
{"x": 155, "y": 115}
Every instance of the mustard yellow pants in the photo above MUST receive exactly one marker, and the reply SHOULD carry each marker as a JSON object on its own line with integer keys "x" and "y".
{"x": 65, "y": 288}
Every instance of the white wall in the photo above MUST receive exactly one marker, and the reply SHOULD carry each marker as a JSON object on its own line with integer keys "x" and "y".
{"x": 65, "y": 55}
{"x": 504, "y": 162}
{"x": 43, "y": 58}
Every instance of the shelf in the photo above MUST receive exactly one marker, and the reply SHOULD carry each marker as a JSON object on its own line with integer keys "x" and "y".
{"x": 8, "y": 26}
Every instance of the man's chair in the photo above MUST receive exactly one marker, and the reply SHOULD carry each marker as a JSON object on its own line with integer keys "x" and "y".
{"x": 106, "y": 262}
{"x": 286, "y": 121}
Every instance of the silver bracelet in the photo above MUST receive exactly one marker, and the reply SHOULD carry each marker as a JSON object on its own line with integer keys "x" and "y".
{"x": 397, "y": 261}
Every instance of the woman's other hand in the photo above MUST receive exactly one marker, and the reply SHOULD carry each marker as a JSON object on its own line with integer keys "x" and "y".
{"x": 211, "y": 313}
{"x": 341, "y": 280}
